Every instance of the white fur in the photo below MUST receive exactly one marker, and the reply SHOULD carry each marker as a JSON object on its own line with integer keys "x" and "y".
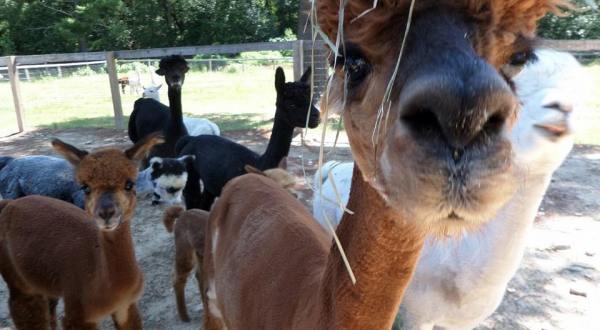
{"x": 200, "y": 126}
{"x": 194, "y": 126}
{"x": 170, "y": 181}
{"x": 152, "y": 92}
{"x": 460, "y": 282}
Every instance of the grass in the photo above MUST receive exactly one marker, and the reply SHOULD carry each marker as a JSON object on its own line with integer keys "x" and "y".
{"x": 240, "y": 100}
{"x": 235, "y": 101}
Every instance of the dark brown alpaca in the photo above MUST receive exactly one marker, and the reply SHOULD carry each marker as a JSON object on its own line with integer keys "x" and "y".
{"x": 431, "y": 152}
{"x": 50, "y": 249}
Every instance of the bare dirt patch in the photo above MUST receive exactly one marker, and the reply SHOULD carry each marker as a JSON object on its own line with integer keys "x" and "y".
{"x": 555, "y": 288}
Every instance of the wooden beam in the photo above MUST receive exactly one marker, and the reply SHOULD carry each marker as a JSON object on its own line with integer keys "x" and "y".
{"x": 298, "y": 59}
{"x": 212, "y": 49}
{"x": 13, "y": 75}
{"x": 60, "y": 58}
{"x": 111, "y": 67}
{"x": 572, "y": 45}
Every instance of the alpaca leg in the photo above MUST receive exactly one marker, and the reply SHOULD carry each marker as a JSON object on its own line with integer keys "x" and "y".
{"x": 128, "y": 318}
{"x": 75, "y": 317}
{"x": 184, "y": 263}
{"x": 52, "y": 302}
{"x": 27, "y": 311}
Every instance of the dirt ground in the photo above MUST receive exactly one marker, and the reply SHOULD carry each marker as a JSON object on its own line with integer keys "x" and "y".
{"x": 557, "y": 286}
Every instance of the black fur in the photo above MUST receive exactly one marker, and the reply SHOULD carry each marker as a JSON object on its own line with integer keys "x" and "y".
{"x": 219, "y": 160}
{"x": 174, "y": 69}
{"x": 148, "y": 116}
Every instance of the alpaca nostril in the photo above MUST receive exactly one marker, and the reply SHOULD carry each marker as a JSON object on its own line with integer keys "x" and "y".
{"x": 107, "y": 213}
{"x": 494, "y": 124}
{"x": 421, "y": 121}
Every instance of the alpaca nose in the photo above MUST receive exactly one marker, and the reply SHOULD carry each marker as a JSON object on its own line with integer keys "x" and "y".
{"x": 107, "y": 213}
{"x": 106, "y": 207}
{"x": 459, "y": 107}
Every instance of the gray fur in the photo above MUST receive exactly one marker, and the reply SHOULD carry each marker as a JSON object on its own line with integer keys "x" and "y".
{"x": 40, "y": 175}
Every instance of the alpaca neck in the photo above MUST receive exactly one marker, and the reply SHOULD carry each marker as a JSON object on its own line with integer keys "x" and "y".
{"x": 120, "y": 256}
{"x": 505, "y": 236}
{"x": 279, "y": 144}
{"x": 382, "y": 250}
{"x": 176, "y": 122}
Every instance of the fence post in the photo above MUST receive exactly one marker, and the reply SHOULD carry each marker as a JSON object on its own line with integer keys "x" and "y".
{"x": 298, "y": 59}
{"x": 59, "y": 70}
{"x": 13, "y": 75}
{"x": 111, "y": 67}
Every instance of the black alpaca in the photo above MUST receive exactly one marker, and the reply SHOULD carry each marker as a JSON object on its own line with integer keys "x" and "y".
{"x": 148, "y": 116}
{"x": 174, "y": 69}
{"x": 219, "y": 160}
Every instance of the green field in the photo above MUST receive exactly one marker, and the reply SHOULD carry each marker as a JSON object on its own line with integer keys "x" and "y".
{"x": 240, "y": 100}
{"x": 237, "y": 100}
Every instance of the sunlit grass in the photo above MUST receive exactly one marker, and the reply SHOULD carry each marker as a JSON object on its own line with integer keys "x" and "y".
{"x": 86, "y": 101}
{"x": 240, "y": 100}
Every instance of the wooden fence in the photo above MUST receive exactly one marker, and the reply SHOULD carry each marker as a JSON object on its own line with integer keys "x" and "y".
{"x": 305, "y": 53}
{"x": 14, "y": 63}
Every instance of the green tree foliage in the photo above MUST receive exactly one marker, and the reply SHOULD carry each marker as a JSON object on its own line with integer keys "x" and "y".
{"x": 582, "y": 23}
{"x": 52, "y": 26}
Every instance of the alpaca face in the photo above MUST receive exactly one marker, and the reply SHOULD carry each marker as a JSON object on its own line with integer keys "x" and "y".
{"x": 169, "y": 176}
{"x": 107, "y": 178}
{"x": 551, "y": 90}
{"x": 434, "y": 141}
{"x": 173, "y": 68}
{"x": 294, "y": 101}
{"x": 152, "y": 92}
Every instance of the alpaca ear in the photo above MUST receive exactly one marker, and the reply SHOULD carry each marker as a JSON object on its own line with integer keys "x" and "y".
{"x": 160, "y": 72}
{"x": 283, "y": 163}
{"x": 71, "y": 153}
{"x": 306, "y": 76}
{"x": 187, "y": 160}
{"x": 252, "y": 169}
{"x": 279, "y": 79}
{"x": 141, "y": 149}
{"x": 156, "y": 163}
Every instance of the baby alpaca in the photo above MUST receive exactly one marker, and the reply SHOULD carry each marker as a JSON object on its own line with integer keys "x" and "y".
{"x": 188, "y": 228}
{"x": 50, "y": 249}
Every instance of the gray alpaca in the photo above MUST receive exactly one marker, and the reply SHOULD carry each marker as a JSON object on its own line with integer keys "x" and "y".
{"x": 39, "y": 175}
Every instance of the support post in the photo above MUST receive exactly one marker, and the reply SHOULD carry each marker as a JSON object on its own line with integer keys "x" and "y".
{"x": 298, "y": 59}
{"x": 59, "y": 70}
{"x": 111, "y": 67}
{"x": 13, "y": 75}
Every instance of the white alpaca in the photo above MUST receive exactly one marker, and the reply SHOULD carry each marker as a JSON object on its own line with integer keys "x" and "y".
{"x": 152, "y": 92}
{"x": 194, "y": 126}
{"x": 460, "y": 282}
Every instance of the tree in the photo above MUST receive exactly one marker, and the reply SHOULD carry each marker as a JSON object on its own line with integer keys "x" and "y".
{"x": 583, "y": 23}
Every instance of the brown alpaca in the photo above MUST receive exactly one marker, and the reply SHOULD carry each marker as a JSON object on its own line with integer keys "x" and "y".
{"x": 50, "y": 249}
{"x": 431, "y": 154}
{"x": 189, "y": 227}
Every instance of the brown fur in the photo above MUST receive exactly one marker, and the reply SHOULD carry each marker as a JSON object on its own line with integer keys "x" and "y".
{"x": 188, "y": 228}
{"x": 269, "y": 265}
{"x": 50, "y": 249}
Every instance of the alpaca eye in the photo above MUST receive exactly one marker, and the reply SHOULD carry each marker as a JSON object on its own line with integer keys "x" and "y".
{"x": 517, "y": 62}
{"x": 129, "y": 185}
{"x": 86, "y": 189}
{"x": 356, "y": 70}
